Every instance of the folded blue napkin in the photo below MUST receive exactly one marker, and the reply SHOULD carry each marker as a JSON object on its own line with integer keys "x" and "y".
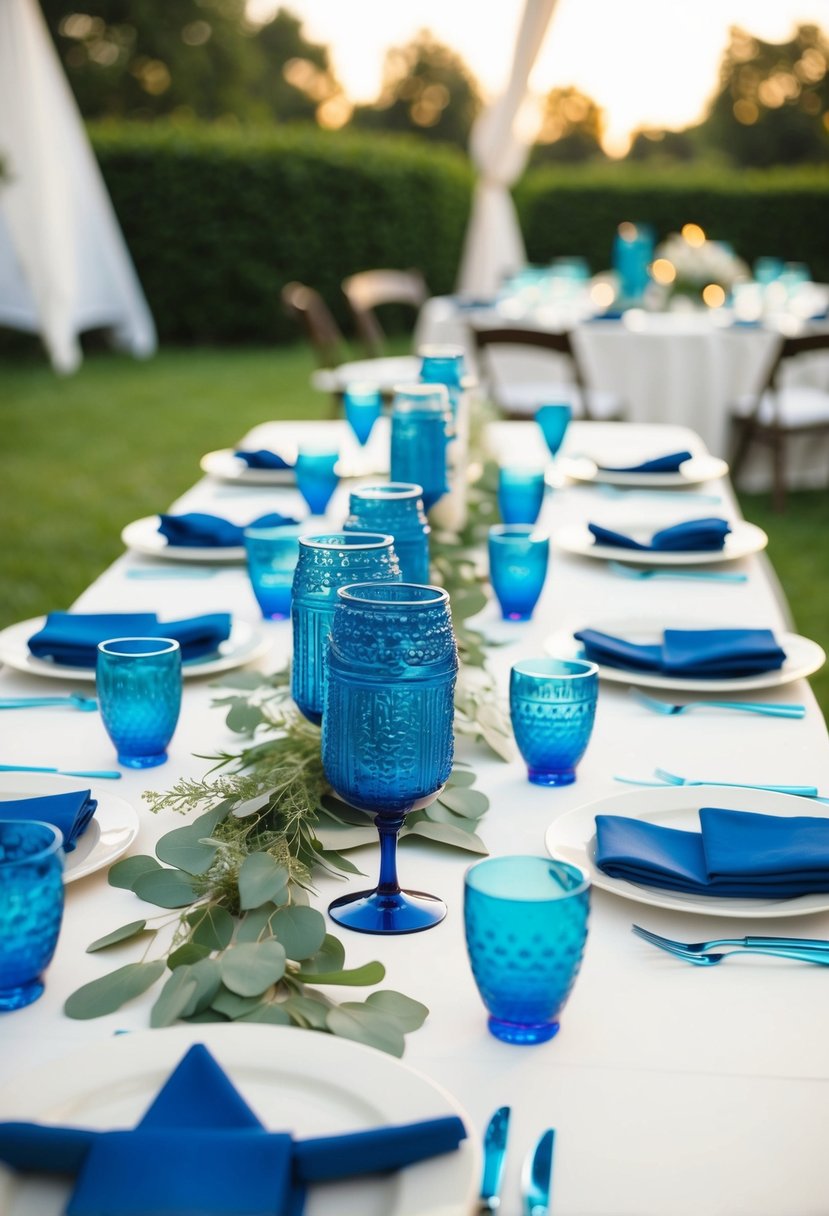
{"x": 736, "y": 854}
{"x": 197, "y": 530}
{"x": 200, "y": 1151}
{"x": 669, "y": 463}
{"x": 71, "y": 638}
{"x": 262, "y": 459}
{"x": 70, "y": 812}
{"x": 691, "y": 535}
{"x": 693, "y": 653}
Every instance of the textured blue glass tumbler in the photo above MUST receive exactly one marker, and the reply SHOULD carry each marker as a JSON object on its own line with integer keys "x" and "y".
{"x": 272, "y": 557}
{"x": 518, "y": 557}
{"x": 526, "y": 925}
{"x": 444, "y": 364}
{"x": 31, "y": 907}
{"x": 520, "y": 494}
{"x": 326, "y": 563}
{"x": 421, "y": 427}
{"x": 387, "y": 739}
{"x": 363, "y": 404}
{"x": 316, "y": 478}
{"x": 554, "y": 421}
{"x": 553, "y": 707}
{"x": 395, "y": 507}
{"x": 139, "y": 692}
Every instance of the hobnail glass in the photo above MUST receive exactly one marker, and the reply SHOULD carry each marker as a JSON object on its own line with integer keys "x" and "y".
{"x": 139, "y": 692}
{"x": 553, "y": 707}
{"x": 421, "y": 427}
{"x": 397, "y": 508}
{"x": 31, "y": 907}
{"x": 518, "y": 557}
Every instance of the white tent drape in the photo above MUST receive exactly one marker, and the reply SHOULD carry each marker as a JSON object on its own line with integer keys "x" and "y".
{"x": 64, "y": 265}
{"x": 499, "y": 147}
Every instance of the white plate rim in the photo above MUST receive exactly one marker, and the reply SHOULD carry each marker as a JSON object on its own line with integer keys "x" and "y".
{"x": 143, "y": 536}
{"x": 667, "y": 801}
{"x": 744, "y": 539}
{"x": 700, "y": 468}
{"x": 223, "y": 465}
{"x": 395, "y": 1091}
{"x": 248, "y": 642}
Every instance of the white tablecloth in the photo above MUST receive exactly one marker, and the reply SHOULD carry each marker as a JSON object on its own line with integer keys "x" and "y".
{"x": 674, "y": 1090}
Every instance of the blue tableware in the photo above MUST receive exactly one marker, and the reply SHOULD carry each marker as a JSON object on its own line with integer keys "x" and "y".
{"x": 72, "y": 638}
{"x": 554, "y": 421}
{"x": 139, "y": 690}
{"x": 633, "y": 247}
{"x": 74, "y": 700}
{"x": 397, "y": 509}
{"x": 526, "y": 925}
{"x": 327, "y": 562}
{"x": 441, "y": 364}
{"x": 200, "y": 530}
{"x": 363, "y": 404}
{"x": 272, "y": 557}
{"x": 690, "y": 536}
{"x": 31, "y": 907}
{"x": 70, "y": 811}
{"x": 421, "y": 426}
{"x": 520, "y": 495}
{"x": 316, "y": 478}
{"x": 553, "y": 707}
{"x": 699, "y": 654}
{"x": 387, "y": 740}
{"x": 518, "y": 557}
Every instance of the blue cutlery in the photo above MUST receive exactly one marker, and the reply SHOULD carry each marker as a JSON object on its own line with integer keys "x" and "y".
{"x": 711, "y": 576}
{"x": 537, "y": 1176}
{"x": 768, "y": 710}
{"x": 110, "y": 774}
{"x": 495, "y": 1149}
{"x": 75, "y": 699}
{"x": 669, "y": 779}
{"x": 151, "y": 572}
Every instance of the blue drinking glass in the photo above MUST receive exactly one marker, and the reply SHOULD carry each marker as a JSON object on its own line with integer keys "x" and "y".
{"x": 316, "y": 478}
{"x": 139, "y": 693}
{"x": 363, "y": 404}
{"x": 326, "y": 563}
{"x": 272, "y": 557}
{"x": 767, "y": 270}
{"x": 395, "y": 507}
{"x": 553, "y": 706}
{"x": 444, "y": 364}
{"x": 520, "y": 495}
{"x": 554, "y": 421}
{"x": 518, "y": 556}
{"x": 387, "y": 738}
{"x": 421, "y": 427}
{"x": 31, "y": 907}
{"x": 526, "y": 925}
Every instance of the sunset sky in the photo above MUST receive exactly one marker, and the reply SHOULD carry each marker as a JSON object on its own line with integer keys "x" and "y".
{"x": 646, "y": 62}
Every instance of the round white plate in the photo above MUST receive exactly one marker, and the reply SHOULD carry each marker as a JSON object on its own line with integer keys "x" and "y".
{"x": 743, "y": 539}
{"x": 245, "y": 644}
{"x": 113, "y": 827}
{"x": 573, "y": 838}
{"x": 143, "y": 536}
{"x": 301, "y": 1081}
{"x": 691, "y": 473}
{"x": 803, "y": 657}
{"x": 224, "y": 466}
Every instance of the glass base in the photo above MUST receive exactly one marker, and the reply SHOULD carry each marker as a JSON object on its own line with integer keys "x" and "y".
{"x": 399, "y": 912}
{"x": 513, "y": 1032}
{"x": 541, "y": 777}
{"x": 142, "y": 761}
{"x": 517, "y": 616}
{"x": 22, "y": 995}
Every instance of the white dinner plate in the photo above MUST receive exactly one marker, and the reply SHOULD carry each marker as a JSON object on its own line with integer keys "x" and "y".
{"x": 143, "y": 536}
{"x": 245, "y": 644}
{"x": 803, "y": 656}
{"x": 743, "y": 539}
{"x": 111, "y": 831}
{"x": 301, "y": 1081}
{"x": 573, "y": 838}
{"x": 224, "y": 466}
{"x": 691, "y": 473}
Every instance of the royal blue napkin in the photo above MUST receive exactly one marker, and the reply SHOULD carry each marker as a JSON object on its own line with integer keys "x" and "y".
{"x": 71, "y": 638}
{"x": 691, "y": 535}
{"x": 691, "y": 653}
{"x": 262, "y": 459}
{"x": 70, "y": 812}
{"x": 735, "y": 854}
{"x": 197, "y": 530}
{"x": 669, "y": 463}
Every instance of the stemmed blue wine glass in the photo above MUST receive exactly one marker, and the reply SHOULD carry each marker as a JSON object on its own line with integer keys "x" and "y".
{"x": 387, "y": 739}
{"x": 554, "y": 421}
{"x": 363, "y": 404}
{"x": 316, "y": 477}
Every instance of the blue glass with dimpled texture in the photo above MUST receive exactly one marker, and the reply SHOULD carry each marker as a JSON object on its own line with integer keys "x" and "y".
{"x": 363, "y": 405}
{"x": 526, "y": 926}
{"x": 553, "y": 708}
{"x": 421, "y": 427}
{"x": 396, "y": 508}
{"x": 554, "y": 421}
{"x": 520, "y": 495}
{"x": 139, "y": 692}
{"x": 316, "y": 479}
{"x": 518, "y": 560}
{"x": 387, "y": 739}
{"x": 327, "y": 562}
{"x": 31, "y": 907}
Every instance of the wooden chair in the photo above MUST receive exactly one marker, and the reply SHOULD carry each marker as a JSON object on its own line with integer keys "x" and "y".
{"x": 308, "y": 307}
{"x": 520, "y": 397}
{"x": 370, "y": 289}
{"x": 779, "y": 411}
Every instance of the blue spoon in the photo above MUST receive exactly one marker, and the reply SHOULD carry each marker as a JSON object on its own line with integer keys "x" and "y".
{"x": 110, "y": 774}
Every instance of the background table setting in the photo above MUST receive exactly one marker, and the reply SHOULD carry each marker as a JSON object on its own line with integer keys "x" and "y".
{"x": 670, "y": 1091}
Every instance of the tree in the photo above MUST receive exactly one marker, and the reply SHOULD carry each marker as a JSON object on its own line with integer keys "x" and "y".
{"x": 663, "y": 145}
{"x": 296, "y": 80}
{"x": 571, "y": 128}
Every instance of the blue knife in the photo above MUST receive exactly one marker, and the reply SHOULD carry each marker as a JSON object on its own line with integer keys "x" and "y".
{"x": 495, "y": 1150}
{"x": 537, "y": 1176}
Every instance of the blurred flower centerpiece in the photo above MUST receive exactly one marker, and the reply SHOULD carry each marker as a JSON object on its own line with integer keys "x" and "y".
{"x": 690, "y": 268}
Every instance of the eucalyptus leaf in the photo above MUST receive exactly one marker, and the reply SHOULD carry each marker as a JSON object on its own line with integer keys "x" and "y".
{"x": 205, "y": 1015}
{"x": 337, "y": 838}
{"x": 460, "y": 776}
{"x": 352, "y": 1021}
{"x": 408, "y": 1014}
{"x": 165, "y": 888}
{"x": 256, "y": 925}
{"x": 332, "y": 807}
{"x": 125, "y": 872}
{"x": 212, "y": 927}
{"x": 269, "y": 1013}
{"x": 369, "y": 973}
{"x": 300, "y": 930}
{"x": 207, "y": 977}
{"x": 307, "y": 1011}
{"x": 438, "y": 813}
{"x": 329, "y": 957}
{"x": 469, "y": 803}
{"x": 186, "y": 849}
{"x": 250, "y": 969}
{"x": 133, "y": 929}
{"x": 251, "y": 806}
{"x": 110, "y": 992}
{"x": 243, "y": 717}
{"x": 187, "y": 954}
{"x": 336, "y": 861}
{"x": 444, "y": 833}
{"x": 174, "y": 998}
{"x": 233, "y": 1006}
{"x": 261, "y": 878}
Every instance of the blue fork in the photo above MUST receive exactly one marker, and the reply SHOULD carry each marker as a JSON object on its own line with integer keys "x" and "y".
{"x": 711, "y": 576}
{"x": 777, "y": 710}
{"x": 75, "y": 700}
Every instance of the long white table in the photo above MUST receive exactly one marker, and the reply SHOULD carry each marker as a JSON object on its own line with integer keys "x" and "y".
{"x": 675, "y": 1091}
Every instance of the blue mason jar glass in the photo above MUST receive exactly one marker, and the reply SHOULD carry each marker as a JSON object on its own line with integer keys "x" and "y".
{"x": 395, "y": 507}
{"x": 387, "y": 740}
{"x": 421, "y": 427}
{"x": 326, "y": 563}
{"x": 444, "y": 365}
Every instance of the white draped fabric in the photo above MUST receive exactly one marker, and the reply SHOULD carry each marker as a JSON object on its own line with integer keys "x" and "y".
{"x": 64, "y": 265}
{"x": 499, "y": 146}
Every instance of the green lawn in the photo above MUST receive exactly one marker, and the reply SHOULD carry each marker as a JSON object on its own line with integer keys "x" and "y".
{"x": 83, "y": 456}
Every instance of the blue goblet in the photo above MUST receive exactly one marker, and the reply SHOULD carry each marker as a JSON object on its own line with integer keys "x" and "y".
{"x": 526, "y": 925}
{"x": 316, "y": 478}
{"x": 397, "y": 508}
{"x": 31, "y": 907}
{"x": 520, "y": 494}
{"x": 272, "y": 557}
{"x": 553, "y": 707}
{"x": 363, "y": 404}
{"x": 518, "y": 557}
{"x": 326, "y": 563}
{"x": 139, "y": 692}
{"x": 554, "y": 421}
{"x": 421, "y": 427}
{"x": 387, "y": 738}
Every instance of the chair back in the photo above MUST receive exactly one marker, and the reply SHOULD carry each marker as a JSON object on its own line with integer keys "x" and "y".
{"x": 512, "y": 339}
{"x": 308, "y": 307}
{"x": 370, "y": 289}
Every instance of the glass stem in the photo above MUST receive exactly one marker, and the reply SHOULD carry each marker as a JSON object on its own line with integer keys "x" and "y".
{"x": 388, "y": 825}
